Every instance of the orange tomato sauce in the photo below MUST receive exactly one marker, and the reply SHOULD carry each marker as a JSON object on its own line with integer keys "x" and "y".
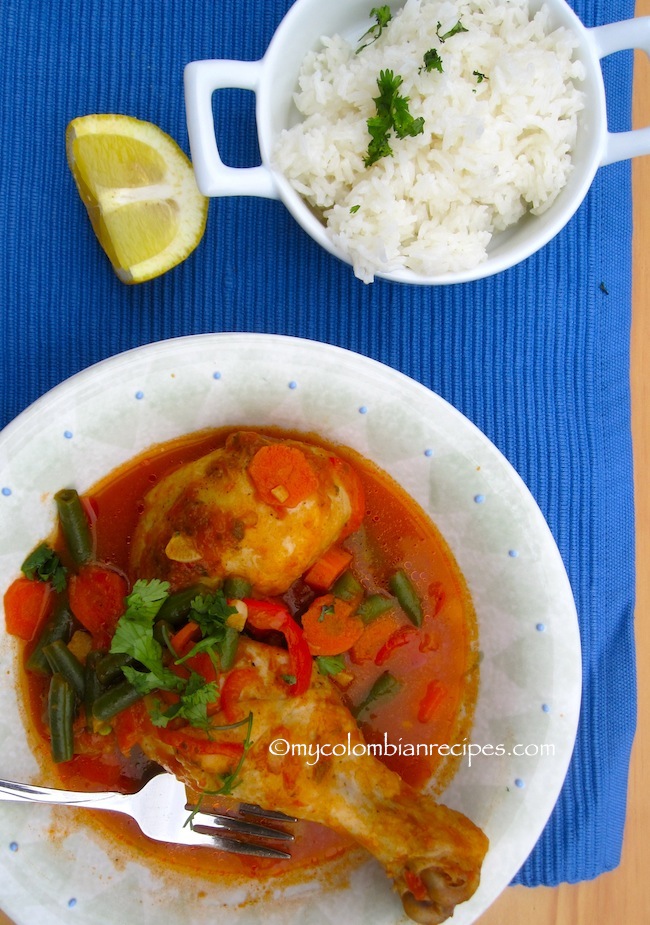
{"x": 436, "y": 667}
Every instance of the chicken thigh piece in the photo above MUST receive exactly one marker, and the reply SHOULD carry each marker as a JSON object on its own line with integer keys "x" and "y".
{"x": 432, "y": 854}
{"x": 258, "y": 508}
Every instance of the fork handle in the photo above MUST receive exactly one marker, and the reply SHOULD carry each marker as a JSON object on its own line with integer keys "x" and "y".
{"x": 16, "y": 792}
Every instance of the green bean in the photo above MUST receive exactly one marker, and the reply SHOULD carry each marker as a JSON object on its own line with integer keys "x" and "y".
{"x": 235, "y": 587}
{"x": 59, "y": 626}
{"x": 373, "y": 607}
{"x": 75, "y": 526}
{"x": 402, "y": 587}
{"x": 60, "y": 712}
{"x": 228, "y": 648}
{"x": 347, "y": 587}
{"x": 175, "y": 608}
{"x": 162, "y": 633}
{"x": 109, "y": 668}
{"x": 114, "y": 700}
{"x": 385, "y": 685}
{"x": 92, "y": 686}
{"x": 64, "y": 662}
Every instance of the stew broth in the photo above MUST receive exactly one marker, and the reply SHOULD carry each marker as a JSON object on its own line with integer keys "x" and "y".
{"x": 436, "y": 664}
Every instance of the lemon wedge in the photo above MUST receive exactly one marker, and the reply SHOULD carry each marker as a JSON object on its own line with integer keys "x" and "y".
{"x": 140, "y": 192}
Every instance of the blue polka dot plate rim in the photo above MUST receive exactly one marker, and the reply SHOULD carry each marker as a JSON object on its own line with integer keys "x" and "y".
{"x": 529, "y": 695}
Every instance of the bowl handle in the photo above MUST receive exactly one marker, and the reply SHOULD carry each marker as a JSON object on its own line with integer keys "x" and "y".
{"x": 619, "y": 36}
{"x": 213, "y": 177}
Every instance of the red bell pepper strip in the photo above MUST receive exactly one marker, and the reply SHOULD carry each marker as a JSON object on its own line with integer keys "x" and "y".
{"x": 236, "y": 681}
{"x": 399, "y": 638}
{"x": 433, "y": 697}
{"x": 267, "y": 615}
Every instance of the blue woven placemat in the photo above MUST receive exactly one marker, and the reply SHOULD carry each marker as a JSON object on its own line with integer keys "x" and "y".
{"x": 537, "y": 357}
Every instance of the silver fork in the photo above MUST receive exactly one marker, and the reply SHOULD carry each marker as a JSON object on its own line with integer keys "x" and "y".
{"x": 161, "y": 810}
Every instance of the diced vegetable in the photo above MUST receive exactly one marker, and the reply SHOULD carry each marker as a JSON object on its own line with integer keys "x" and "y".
{"x": 385, "y": 686}
{"x": 347, "y": 587}
{"x": 74, "y": 524}
{"x": 60, "y": 714}
{"x": 60, "y": 625}
{"x": 326, "y": 570}
{"x": 282, "y": 475}
{"x": 26, "y": 604}
{"x": 330, "y": 626}
{"x": 63, "y": 662}
{"x": 374, "y": 637}
{"x": 402, "y": 587}
{"x": 374, "y": 606}
{"x": 97, "y": 596}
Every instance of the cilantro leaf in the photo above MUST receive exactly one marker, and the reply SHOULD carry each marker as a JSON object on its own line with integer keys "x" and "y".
{"x": 43, "y": 564}
{"x": 211, "y": 612}
{"x": 479, "y": 77}
{"x": 432, "y": 61}
{"x": 392, "y": 113}
{"x": 192, "y": 704}
{"x": 459, "y": 27}
{"x": 330, "y": 664}
{"x": 383, "y": 16}
{"x": 134, "y": 637}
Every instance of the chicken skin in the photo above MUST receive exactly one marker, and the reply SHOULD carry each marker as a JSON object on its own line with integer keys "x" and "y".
{"x": 432, "y": 854}
{"x": 258, "y": 508}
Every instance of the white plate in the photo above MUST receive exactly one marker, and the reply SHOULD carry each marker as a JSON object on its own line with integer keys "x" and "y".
{"x": 531, "y": 669}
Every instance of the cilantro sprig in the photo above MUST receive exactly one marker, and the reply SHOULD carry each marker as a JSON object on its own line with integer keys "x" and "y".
{"x": 211, "y": 612}
{"x": 382, "y": 16}
{"x": 232, "y": 778}
{"x": 392, "y": 114}
{"x": 43, "y": 564}
{"x": 134, "y": 636}
{"x": 431, "y": 61}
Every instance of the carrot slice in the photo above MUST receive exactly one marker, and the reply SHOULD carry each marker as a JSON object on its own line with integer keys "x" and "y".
{"x": 374, "y": 636}
{"x": 331, "y": 565}
{"x": 27, "y": 603}
{"x": 282, "y": 475}
{"x": 182, "y": 641}
{"x": 330, "y": 627}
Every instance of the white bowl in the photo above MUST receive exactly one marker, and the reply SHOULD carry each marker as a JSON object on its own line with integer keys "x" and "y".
{"x": 274, "y": 79}
{"x": 529, "y": 693}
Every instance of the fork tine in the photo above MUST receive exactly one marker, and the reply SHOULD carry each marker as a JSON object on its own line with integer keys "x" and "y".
{"x": 234, "y": 846}
{"x": 254, "y": 809}
{"x": 242, "y": 827}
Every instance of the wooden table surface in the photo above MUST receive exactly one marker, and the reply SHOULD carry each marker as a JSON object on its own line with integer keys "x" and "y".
{"x": 618, "y": 897}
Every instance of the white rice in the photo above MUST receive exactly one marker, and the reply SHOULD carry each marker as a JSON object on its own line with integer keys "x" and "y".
{"x": 491, "y": 149}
